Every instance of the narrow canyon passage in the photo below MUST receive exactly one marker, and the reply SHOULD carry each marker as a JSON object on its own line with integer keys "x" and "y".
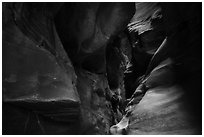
{"x": 119, "y": 68}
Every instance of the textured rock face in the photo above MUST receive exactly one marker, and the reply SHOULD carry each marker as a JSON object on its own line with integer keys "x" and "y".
{"x": 86, "y": 28}
{"x": 35, "y": 78}
{"x": 172, "y": 102}
{"x": 45, "y": 92}
{"x": 148, "y": 22}
{"x": 30, "y": 71}
{"x": 96, "y": 111}
{"x": 41, "y": 92}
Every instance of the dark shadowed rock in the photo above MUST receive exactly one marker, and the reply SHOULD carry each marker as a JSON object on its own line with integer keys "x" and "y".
{"x": 172, "y": 104}
{"x": 86, "y": 28}
{"x": 37, "y": 74}
{"x": 96, "y": 111}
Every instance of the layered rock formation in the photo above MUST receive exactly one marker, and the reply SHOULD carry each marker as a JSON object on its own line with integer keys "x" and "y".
{"x": 171, "y": 101}
{"x": 101, "y": 68}
{"x": 44, "y": 92}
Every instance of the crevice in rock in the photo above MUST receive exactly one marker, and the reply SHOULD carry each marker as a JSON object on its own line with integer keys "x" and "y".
{"x": 101, "y": 68}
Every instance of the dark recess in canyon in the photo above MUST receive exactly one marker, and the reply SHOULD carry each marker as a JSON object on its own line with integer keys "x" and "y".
{"x": 101, "y": 68}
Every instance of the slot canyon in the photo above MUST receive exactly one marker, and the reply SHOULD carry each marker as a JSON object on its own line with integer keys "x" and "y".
{"x": 101, "y": 68}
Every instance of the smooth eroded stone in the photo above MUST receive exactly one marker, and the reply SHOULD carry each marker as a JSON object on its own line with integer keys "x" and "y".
{"x": 33, "y": 77}
{"x": 162, "y": 75}
{"x": 162, "y": 111}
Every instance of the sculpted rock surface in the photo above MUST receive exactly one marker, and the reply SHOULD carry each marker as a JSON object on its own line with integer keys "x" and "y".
{"x": 172, "y": 103}
{"x": 41, "y": 90}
